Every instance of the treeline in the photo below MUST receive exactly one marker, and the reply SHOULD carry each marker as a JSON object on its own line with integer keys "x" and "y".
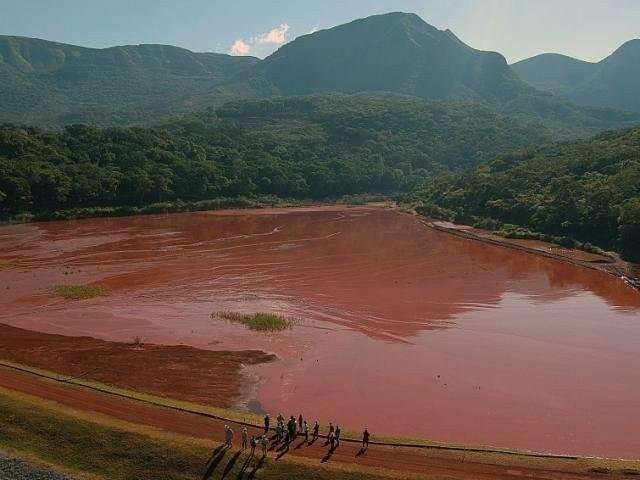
{"x": 311, "y": 147}
{"x": 586, "y": 190}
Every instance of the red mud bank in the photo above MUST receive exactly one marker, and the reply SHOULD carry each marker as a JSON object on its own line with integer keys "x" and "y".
{"x": 180, "y": 372}
{"x": 403, "y": 329}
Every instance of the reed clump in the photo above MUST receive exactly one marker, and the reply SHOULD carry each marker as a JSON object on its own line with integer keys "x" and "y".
{"x": 261, "y": 321}
{"x": 78, "y": 292}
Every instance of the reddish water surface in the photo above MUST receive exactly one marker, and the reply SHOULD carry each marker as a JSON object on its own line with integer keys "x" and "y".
{"x": 402, "y": 329}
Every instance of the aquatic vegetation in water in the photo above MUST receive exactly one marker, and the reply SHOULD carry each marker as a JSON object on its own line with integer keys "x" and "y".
{"x": 78, "y": 292}
{"x": 261, "y": 321}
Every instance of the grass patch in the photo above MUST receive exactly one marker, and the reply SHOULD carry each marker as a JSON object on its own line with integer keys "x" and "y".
{"x": 96, "y": 445}
{"x": 78, "y": 292}
{"x": 261, "y": 321}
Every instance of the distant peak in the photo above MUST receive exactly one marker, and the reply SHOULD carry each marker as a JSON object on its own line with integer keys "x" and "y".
{"x": 631, "y": 45}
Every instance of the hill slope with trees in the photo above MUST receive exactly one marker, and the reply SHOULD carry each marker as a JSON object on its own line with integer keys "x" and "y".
{"x": 49, "y": 83}
{"x": 52, "y": 84}
{"x": 297, "y": 147}
{"x": 588, "y": 190}
{"x": 613, "y": 82}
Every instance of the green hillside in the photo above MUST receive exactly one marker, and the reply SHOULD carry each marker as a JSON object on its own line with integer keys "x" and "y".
{"x": 587, "y": 190}
{"x": 401, "y": 53}
{"x": 298, "y": 147}
{"x": 613, "y": 82}
{"x": 50, "y": 83}
{"x": 552, "y": 72}
{"x": 395, "y": 52}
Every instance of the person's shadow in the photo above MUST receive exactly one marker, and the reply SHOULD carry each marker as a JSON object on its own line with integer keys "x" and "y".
{"x": 244, "y": 467}
{"x": 232, "y": 461}
{"x": 327, "y": 457}
{"x": 215, "y": 459}
{"x": 283, "y": 451}
{"x": 256, "y": 467}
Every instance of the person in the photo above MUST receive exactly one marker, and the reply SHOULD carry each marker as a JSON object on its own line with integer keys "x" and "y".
{"x": 267, "y": 421}
{"x": 265, "y": 445}
{"x": 279, "y": 432}
{"x": 300, "y": 422}
{"x": 316, "y": 430}
{"x": 337, "y": 436}
{"x": 365, "y": 440}
{"x": 332, "y": 429}
{"x": 253, "y": 444}
{"x": 305, "y": 431}
{"x": 245, "y": 437}
{"x": 332, "y": 439}
{"x": 228, "y": 436}
{"x": 291, "y": 429}
{"x": 280, "y": 418}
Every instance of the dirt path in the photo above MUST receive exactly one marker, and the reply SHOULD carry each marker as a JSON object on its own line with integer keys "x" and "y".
{"x": 399, "y": 459}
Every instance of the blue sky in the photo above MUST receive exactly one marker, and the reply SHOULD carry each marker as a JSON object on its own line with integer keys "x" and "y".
{"x": 587, "y": 29}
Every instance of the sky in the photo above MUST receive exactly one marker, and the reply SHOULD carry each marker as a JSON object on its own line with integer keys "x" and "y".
{"x": 585, "y": 29}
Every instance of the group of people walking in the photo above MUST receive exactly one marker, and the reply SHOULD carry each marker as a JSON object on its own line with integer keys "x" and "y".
{"x": 287, "y": 432}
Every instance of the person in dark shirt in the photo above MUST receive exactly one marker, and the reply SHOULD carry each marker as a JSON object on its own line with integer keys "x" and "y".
{"x": 253, "y": 444}
{"x": 267, "y": 421}
{"x": 365, "y": 440}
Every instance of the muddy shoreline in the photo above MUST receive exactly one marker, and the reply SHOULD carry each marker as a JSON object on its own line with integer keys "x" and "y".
{"x": 611, "y": 264}
{"x": 210, "y": 377}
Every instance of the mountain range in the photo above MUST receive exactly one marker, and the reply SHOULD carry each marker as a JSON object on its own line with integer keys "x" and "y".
{"x": 52, "y": 84}
{"x": 613, "y": 82}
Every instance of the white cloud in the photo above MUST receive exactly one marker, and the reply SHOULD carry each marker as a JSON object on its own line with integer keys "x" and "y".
{"x": 240, "y": 47}
{"x": 276, "y": 35}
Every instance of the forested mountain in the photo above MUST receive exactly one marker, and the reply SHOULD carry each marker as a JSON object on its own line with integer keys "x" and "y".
{"x": 613, "y": 82}
{"x": 401, "y": 53}
{"x": 298, "y": 147}
{"x": 50, "y": 83}
{"x": 588, "y": 190}
{"x": 395, "y": 52}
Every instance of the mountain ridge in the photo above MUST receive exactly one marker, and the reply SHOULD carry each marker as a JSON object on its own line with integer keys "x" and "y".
{"x": 612, "y": 82}
{"x": 53, "y": 84}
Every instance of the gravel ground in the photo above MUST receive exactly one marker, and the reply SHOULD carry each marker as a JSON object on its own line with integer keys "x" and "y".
{"x": 12, "y": 468}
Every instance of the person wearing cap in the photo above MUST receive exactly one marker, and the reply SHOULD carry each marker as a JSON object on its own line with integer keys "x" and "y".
{"x": 228, "y": 436}
{"x": 365, "y": 440}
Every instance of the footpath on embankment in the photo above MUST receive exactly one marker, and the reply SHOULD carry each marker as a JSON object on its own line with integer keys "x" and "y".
{"x": 455, "y": 462}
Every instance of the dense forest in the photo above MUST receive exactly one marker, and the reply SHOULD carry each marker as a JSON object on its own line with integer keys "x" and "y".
{"x": 300, "y": 147}
{"x": 588, "y": 190}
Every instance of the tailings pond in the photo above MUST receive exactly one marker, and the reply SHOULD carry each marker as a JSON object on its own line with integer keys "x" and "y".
{"x": 405, "y": 330}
